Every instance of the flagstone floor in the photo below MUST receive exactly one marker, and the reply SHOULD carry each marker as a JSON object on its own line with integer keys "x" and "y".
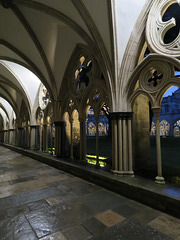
{"x": 40, "y": 202}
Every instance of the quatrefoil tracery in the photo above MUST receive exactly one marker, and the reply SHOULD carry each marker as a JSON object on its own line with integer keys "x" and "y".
{"x": 155, "y": 78}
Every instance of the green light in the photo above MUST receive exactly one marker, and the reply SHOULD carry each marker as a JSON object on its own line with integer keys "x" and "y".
{"x": 91, "y": 161}
{"x": 51, "y": 150}
{"x": 93, "y": 156}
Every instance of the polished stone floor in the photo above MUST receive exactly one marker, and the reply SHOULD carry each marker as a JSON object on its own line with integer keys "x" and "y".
{"x": 40, "y": 202}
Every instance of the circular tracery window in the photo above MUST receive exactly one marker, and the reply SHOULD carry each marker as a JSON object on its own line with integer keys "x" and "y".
{"x": 163, "y": 28}
{"x": 44, "y": 97}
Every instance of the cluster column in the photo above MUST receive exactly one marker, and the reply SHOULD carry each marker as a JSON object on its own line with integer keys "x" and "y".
{"x": 59, "y": 138}
{"x": 5, "y": 136}
{"x": 27, "y": 136}
{"x": 122, "y": 143}
{"x": 34, "y": 137}
{"x": 82, "y": 140}
{"x": 97, "y": 140}
{"x": 45, "y": 138}
{"x": 71, "y": 135}
{"x": 12, "y": 136}
{"x": 2, "y": 136}
{"x": 20, "y": 132}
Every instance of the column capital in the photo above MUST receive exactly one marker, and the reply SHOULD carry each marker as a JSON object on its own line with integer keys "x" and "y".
{"x": 156, "y": 109}
{"x": 121, "y": 115}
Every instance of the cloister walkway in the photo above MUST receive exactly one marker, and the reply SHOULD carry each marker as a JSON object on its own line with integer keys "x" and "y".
{"x": 38, "y": 201}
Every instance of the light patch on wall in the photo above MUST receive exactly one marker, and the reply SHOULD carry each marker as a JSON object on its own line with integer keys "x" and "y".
{"x": 29, "y": 81}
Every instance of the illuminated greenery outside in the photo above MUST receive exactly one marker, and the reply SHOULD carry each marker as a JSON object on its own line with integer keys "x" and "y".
{"x": 51, "y": 150}
{"x": 91, "y": 159}
{"x": 93, "y": 156}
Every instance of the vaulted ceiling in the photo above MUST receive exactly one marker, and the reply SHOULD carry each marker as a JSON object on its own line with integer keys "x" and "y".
{"x": 40, "y": 36}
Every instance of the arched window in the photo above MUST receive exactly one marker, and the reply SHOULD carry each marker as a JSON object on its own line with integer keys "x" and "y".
{"x": 177, "y": 129}
{"x": 164, "y": 128}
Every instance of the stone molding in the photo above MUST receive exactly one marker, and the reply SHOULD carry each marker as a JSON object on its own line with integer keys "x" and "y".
{"x": 156, "y": 29}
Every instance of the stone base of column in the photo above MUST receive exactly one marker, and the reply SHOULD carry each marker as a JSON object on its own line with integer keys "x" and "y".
{"x": 159, "y": 180}
{"x": 123, "y": 173}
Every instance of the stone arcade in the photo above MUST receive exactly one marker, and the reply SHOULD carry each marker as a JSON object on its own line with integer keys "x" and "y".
{"x": 64, "y": 60}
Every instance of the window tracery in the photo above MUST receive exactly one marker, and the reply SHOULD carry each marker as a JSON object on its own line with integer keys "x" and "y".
{"x": 154, "y": 76}
{"x": 163, "y": 28}
{"x": 44, "y": 97}
{"x": 164, "y": 128}
{"x": 153, "y": 129}
{"x": 96, "y": 96}
{"x": 82, "y": 77}
{"x": 172, "y": 11}
{"x": 177, "y": 129}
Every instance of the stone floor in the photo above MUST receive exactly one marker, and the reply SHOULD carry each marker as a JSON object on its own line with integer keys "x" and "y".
{"x": 40, "y": 202}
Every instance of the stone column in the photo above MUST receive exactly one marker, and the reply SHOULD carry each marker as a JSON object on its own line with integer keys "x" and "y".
{"x": 159, "y": 178}
{"x": 34, "y": 137}
{"x": 45, "y": 138}
{"x": 16, "y": 136}
{"x": 97, "y": 142}
{"x": 125, "y": 145}
{"x": 40, "y": 137}
{"x": 5, "y": 136}
{"x": 8, "y": 136}
{"x": 51, "y": 136}
{"x": 2, "y": 136}
{"x": 130, "y": 145}
{"x": 114, "y": 145}
{"x": 20, "y": 136}
{"x": 83, "y": 141}
{"x": 71, "y": 147}
{"x": 27, "y": 136}
{"x": 122, "y": 143}
{"x": 59, "y": 138}
{"x": 11, "y": 136}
